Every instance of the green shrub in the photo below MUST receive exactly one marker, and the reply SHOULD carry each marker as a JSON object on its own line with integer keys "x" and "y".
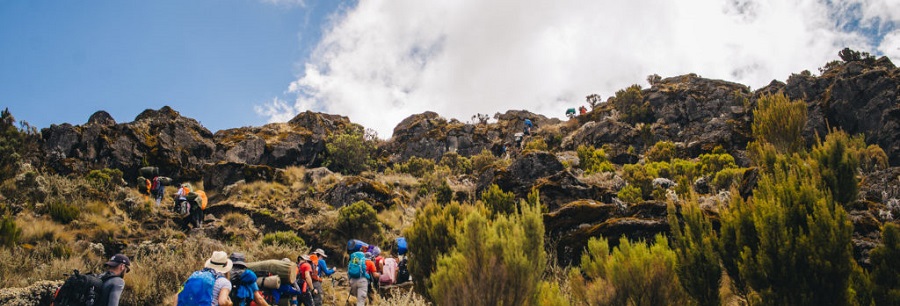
{"x": 417, "y": 166}
{"x": 14, "y": 144}
{"x": 536, "y": 144}
{"x": 634, "y": 274}
{"x": 712, "y": 163}
{"x": 494, "y": 262}
{"x": 727, "y": 177}
{"x": 104, "y": 179}
{"x": 872, "y": 158}
{"x": 10, "y": 233}
{"x": 886, "y": 267}
{"x": 661, "y": 151}
{"x": 349, "y": 153}
{"x": 789, "y": 238}
{"x": 289, "y": 239}
{"x": 593, "y": 160}
{"x": 696, "y": 243}
{"x": 779, "y": 121}
{"x": 630, "y": 103}
{"x": 458, "y": 164}
{"x": 443, "y": 194}
{"x": 432, "y": 234}
{"x": 483, "y": 160}
{"x": 630, "y": 194}
{"x": 837, "y": 163}
{"x": 498, "y": 201}
{"x": 360, "y": 221}
{"x": 548, "y": 294}
{"x": 63, "y": 213}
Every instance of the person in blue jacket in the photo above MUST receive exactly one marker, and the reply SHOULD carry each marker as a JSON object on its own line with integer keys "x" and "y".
{"x": 322, "y": 266}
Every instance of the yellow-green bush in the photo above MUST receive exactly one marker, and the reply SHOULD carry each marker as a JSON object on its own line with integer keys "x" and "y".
{"x": 630, "y": 194}
{"x": 630, "y": 103}
{"x": 661, "y": 151}
{"x": 417, "y": 166}
{"x": 104, "y": 179}
{"x": 885, "y": 276}
{"x": 432, "y": 235}
{"x": 695, "y": 242}
{"x": 635, "y": 273}
{"x": 837, "y": 162}
{"x": 779, "y": 121}
{"x": 483, "y": 160}
{"x": 283, "y": 238}
{"x": 349, "y": 153}
{"x": 509, "y": 252}
{"x": 593, "y": 160}
{"x": 536, "y": 144}
{"x": 360, "y": 221}
{"x": 63, "y": 213}
{"x": 498, "y": 201}
{"x": 458, "y": 164}
{"x": 727, "y": 177}
{"x": 9, "y": 231}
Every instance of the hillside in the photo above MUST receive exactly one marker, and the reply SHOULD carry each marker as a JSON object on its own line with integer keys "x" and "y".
{"x": 622, "y": 169}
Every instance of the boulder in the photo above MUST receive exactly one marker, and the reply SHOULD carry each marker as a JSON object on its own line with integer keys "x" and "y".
{"x": 356, "y": 188}
{"x": 218, "y": 175}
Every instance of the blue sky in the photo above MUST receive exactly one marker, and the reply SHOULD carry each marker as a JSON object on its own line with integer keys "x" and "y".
{"x": 60, "y": 61}
{"x": 233, "y": 63}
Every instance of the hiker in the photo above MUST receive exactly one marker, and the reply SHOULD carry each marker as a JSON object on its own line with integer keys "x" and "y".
{"x": 570, "y": 113}
{"x": 582, "y": 110}
{"x": 372, "y": 274}
{"x": 519, "y": 137}
{"x": 322, "y": 266}
{"x": 114, "y": 280}
{"x": 321, "y": 270}
{"x": 158, "y": 188}
{"x": 305, "y": 275}
{"x": 181, "y": 198}
{"x": 244, "y": 288}
{"x": 209, "y": 285}
{"x": 359, "y": 283}
{"x": 528, "y": 126}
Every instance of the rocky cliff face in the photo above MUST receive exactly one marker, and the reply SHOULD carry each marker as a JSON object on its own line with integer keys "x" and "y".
{"x": 162, "y": 138}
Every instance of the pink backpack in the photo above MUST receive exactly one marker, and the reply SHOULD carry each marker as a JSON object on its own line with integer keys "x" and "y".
{"x": 390, "y": 272}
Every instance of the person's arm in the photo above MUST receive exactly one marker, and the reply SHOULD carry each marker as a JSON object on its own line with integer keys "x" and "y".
{"x": 224, "y": 300}
{"x": 324, "y": 268}
{"x": 115, "y": 292}
{"x": 259, "y": 299}
{"x": 309, "y": 281}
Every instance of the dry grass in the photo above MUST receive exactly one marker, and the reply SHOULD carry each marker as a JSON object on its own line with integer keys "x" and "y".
{"x": 37, "y": 229}
{"x": 262, "y": 194}
{"x": 398, "y": 180}
{"x": 294, "y": 178}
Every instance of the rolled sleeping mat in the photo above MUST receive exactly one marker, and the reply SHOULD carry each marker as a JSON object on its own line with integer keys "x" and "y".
{"x": 149, "y": 172}
{"x": 285, "y": 270}
{"x": 354, "y": 245}
{"x": 269, "y": 282}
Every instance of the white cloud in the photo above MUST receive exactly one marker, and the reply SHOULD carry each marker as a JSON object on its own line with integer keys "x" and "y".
{"x": 385, "y": 60}
{"x": 890, "y": 46}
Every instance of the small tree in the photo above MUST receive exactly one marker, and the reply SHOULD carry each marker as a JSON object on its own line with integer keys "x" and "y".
{"x": 696, "y": 243}
{"x": 837, "y": 163}
{"x": 630, "y": 102}
{"x": 349, "y": 153}
{"x": 359, "y": 220}
{"x": 498, "y": 201}
{"x": 886, "y": 267}
{"x": 779, "y": 121}
{"x": 432, "y": 234}
{"x": 593, "y": 100}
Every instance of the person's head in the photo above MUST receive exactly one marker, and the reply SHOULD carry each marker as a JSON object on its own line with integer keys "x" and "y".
{"x": 302, "y": 258}
{"x": 238, "y": 260}
{"x": 219, "y": 262}
{"x": 320, "y": 253}
{"x": 119, "y": 264}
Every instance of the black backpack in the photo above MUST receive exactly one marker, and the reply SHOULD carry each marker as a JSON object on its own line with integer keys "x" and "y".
{"x": 235, "y": 279}
{"x": 402, "y": 272}
{"x": 79, "y": 290}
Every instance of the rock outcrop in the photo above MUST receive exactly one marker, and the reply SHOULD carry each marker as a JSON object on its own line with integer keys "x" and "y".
{"x": 163, "y": 138}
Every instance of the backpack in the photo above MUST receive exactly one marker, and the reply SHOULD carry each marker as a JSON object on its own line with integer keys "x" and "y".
{"x": 79, "y": 289}
{"x": 143, "y": 185}
{"x": 182, "y": 207}
{"x": 238, "y": 281}
{"x": 357, "y": 266}
{"x": 402, "y": 247}
{"x": 402, "y": 272}
{"x": 198, "y": 289}
{"x": 389, "y": 275}
{"x": 154, "y": 187}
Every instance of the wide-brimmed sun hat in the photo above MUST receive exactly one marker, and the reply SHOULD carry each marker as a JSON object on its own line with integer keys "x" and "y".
{"x": 219, "y": 262}
{"x": 320, "y": 252}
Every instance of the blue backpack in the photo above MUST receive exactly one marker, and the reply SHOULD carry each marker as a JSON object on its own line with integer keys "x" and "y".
{"x": 198, "y": 289}
{"x": 402, "y": 248}
{"x": 357, "y": 266}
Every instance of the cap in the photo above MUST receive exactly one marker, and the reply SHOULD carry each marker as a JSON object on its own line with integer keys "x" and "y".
{"x": 238, "y": 259}
{"x": 119, "y": 259}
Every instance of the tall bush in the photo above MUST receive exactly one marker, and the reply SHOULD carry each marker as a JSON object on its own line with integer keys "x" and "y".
{"x": 630, "y": 103}
{"x": 498, "y": 201}
{"x": 635, "y": 273}
{"x": 779, "y": 121}
{"x": 349, "y": 153}
{"x": 790, "y": 242}
{"x": 432, "y": 235}
{"x": 359, "y": 221}
{"x": 837, "y": 162}
{"x": 695, "y": 243}
{"x": 886, "y": 267}
{"x": 593, "y": 160}
{"x": 494, "y": 262}
{"x": 10, "y": 233}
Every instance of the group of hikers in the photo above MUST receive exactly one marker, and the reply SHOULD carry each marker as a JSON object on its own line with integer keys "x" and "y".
{"x": 228, "y": 280}
{"x": 187, "y": 201}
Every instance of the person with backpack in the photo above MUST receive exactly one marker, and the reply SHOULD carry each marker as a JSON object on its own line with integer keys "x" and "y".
{"x": 181, "y": 204}
{"x": 209, "y": 286}
{"x": 359, "y": 283}
{"x": 528, "y": 127}
{"x": 305, "y": 276}
{"x": 322, "y": 266}
{"x": 372, "y": 274}
{"x": 92, "y": 289}
{"x": 244, "y": 288}
{"x": 158, "y": 188}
